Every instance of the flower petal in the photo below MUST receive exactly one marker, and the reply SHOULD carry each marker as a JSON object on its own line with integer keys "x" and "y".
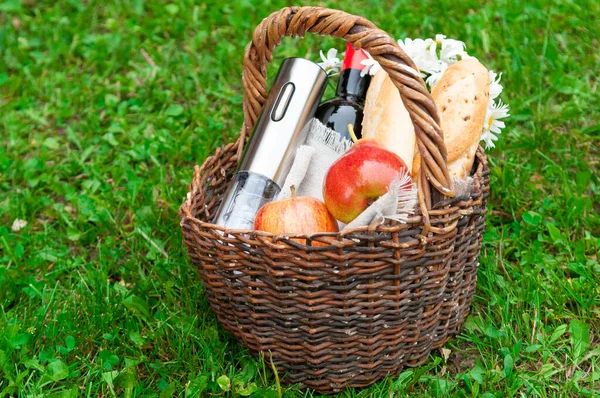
{"x": 323, "y": 57}
{"x": 332, "y": 54}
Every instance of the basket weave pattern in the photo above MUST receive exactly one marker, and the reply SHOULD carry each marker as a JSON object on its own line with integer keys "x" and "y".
{"x": 375, "y": 299}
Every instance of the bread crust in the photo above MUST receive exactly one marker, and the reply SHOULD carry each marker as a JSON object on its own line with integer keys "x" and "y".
{"x": 387, "y": 120}
{"x": 461, "y": 97}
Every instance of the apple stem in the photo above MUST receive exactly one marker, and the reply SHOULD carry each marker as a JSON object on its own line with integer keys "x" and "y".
{"x": 293, "y": 189}
{"x": 352, "y": 135}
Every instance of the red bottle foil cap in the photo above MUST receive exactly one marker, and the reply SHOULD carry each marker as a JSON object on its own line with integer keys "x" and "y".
{"x": 353, "y": 58}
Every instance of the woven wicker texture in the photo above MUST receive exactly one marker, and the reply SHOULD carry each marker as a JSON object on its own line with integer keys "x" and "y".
{"x": 374, "y": 299}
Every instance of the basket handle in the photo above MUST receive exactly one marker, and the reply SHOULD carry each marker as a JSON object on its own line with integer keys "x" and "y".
{"x": 296, "y": 21}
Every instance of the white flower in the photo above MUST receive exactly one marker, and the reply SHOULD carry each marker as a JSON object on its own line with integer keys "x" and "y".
{"x": 493, "y": 124}
{"x": 18, "y": 225}
{"x": 452, "y": 51}
{"x": 371, "y": 66}
{"x": 331, "y": 63}
{"x": 423, "y": 54}
{"x": 412, "y": 47}
{"x": 495, "y": 86}
{"x": 435, "y": 77}
{"x": 489, "y": 139}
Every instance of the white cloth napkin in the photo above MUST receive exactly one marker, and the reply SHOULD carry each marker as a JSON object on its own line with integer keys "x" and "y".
{"x": 323, "y": 147}
{"x": 397, "y": 204}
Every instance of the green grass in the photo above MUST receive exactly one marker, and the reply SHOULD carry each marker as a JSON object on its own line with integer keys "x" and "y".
{"x": 106, "y": 106}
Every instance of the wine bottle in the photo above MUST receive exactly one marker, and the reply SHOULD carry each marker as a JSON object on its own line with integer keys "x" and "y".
{"x": 348, "y": 105}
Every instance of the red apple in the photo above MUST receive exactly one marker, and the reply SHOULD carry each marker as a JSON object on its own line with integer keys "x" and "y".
{"x": 298, "y": 215}
{"x": 359, "y": 177}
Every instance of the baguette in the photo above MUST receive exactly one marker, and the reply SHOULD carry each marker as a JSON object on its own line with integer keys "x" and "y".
{"x": 386, "y": 119}
{"x": 461, "y": 97}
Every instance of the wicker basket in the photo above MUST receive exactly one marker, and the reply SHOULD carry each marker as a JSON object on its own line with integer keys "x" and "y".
{"x": 375, "y": 299}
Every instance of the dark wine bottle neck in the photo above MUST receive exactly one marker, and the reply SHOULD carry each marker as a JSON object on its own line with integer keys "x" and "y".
{"x": 351, "y": 84}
